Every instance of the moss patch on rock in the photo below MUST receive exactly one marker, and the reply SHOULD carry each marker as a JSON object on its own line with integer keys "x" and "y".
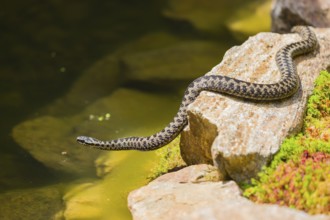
{"x": 303, "y": 184}
{"x": 169, "y": 159}
{"x": 299, "y": 174}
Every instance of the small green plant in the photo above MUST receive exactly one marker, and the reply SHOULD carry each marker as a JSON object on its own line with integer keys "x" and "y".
{"x": 299, "y": 175}
{"x": 319, "y": 103}
{"x": 317, "y": 122}
{"x": 303, "y": 184}
{"x": 169, "y": 159}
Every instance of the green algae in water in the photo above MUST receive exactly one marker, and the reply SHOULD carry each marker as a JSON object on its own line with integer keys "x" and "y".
{"x": 120, "y": 171}
{"x": 107, "y": 198}
{"x": 33, "y": 203}
{"x": 251, "y": 20}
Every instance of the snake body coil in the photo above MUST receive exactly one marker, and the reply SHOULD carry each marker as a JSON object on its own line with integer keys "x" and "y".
{"x": 285, "y": 87}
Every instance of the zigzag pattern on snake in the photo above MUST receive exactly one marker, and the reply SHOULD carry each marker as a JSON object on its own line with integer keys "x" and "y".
{"x": 285, "y": 87}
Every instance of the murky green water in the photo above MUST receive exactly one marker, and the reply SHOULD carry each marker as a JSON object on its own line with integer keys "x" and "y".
{"x": 106, "y": 69}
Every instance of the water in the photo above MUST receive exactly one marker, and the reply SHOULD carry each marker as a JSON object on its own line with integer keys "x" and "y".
{"x": 107, "y": 69}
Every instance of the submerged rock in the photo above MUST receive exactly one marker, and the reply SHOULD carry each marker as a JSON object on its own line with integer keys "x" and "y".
{"x": 287, "y": 13}
{"x": 177, "y": 198}
{"x": 184, "y": 61}
{"x": 100, "y": 79}
{"x": 237, "y": 136}
{"x": 51, "y": 140}
{"x": 105, "y": 75}
{"x": 250, "y": 20}
{"x": 42, "y": 203}
{"x": 206, "y": 16}
{"x": 156, "y": 58}
{"x": 106, "y": 198}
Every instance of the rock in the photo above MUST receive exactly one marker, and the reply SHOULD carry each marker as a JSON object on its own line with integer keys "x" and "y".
{"x": 248, "y": 211}
{"x": 237, "y": 136}
{"x": 39, "y": 203}
{"x": 192, "y": 174}
{"x": 287, "y": 13}
{"x": 177, "y": 198}
{"x": 52, "y": 140}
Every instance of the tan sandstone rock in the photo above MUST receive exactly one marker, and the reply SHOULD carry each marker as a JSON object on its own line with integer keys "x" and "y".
{"x": 193, "y": 174}
{"x": 286, "y": 13}
{"x": 239, "y": 136}
{"x": 176, "y": 198}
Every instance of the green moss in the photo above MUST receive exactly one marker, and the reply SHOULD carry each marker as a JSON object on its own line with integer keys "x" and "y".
{"x": 292, "y": 178}
{"x": 303, "y": 184}
{"x": 319, "y": 103}
{"x": 318, "y": 110}
{"x": 169, "y": 159}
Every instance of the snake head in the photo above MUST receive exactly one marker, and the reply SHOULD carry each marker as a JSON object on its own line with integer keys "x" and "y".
{"x": 87, "y": 140}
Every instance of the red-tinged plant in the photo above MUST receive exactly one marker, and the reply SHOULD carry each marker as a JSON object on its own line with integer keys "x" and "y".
{"x": 303, "y": 184}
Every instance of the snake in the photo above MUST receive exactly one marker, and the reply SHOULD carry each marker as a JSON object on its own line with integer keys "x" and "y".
{"x": 286, "y": 86}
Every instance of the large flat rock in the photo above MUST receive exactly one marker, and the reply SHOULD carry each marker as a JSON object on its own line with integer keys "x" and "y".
{"x": 239, "y": 136}
{"x": 175, "y": 197}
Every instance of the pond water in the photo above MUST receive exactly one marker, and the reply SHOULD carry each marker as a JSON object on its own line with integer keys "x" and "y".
{"x": 99, "y": 68}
